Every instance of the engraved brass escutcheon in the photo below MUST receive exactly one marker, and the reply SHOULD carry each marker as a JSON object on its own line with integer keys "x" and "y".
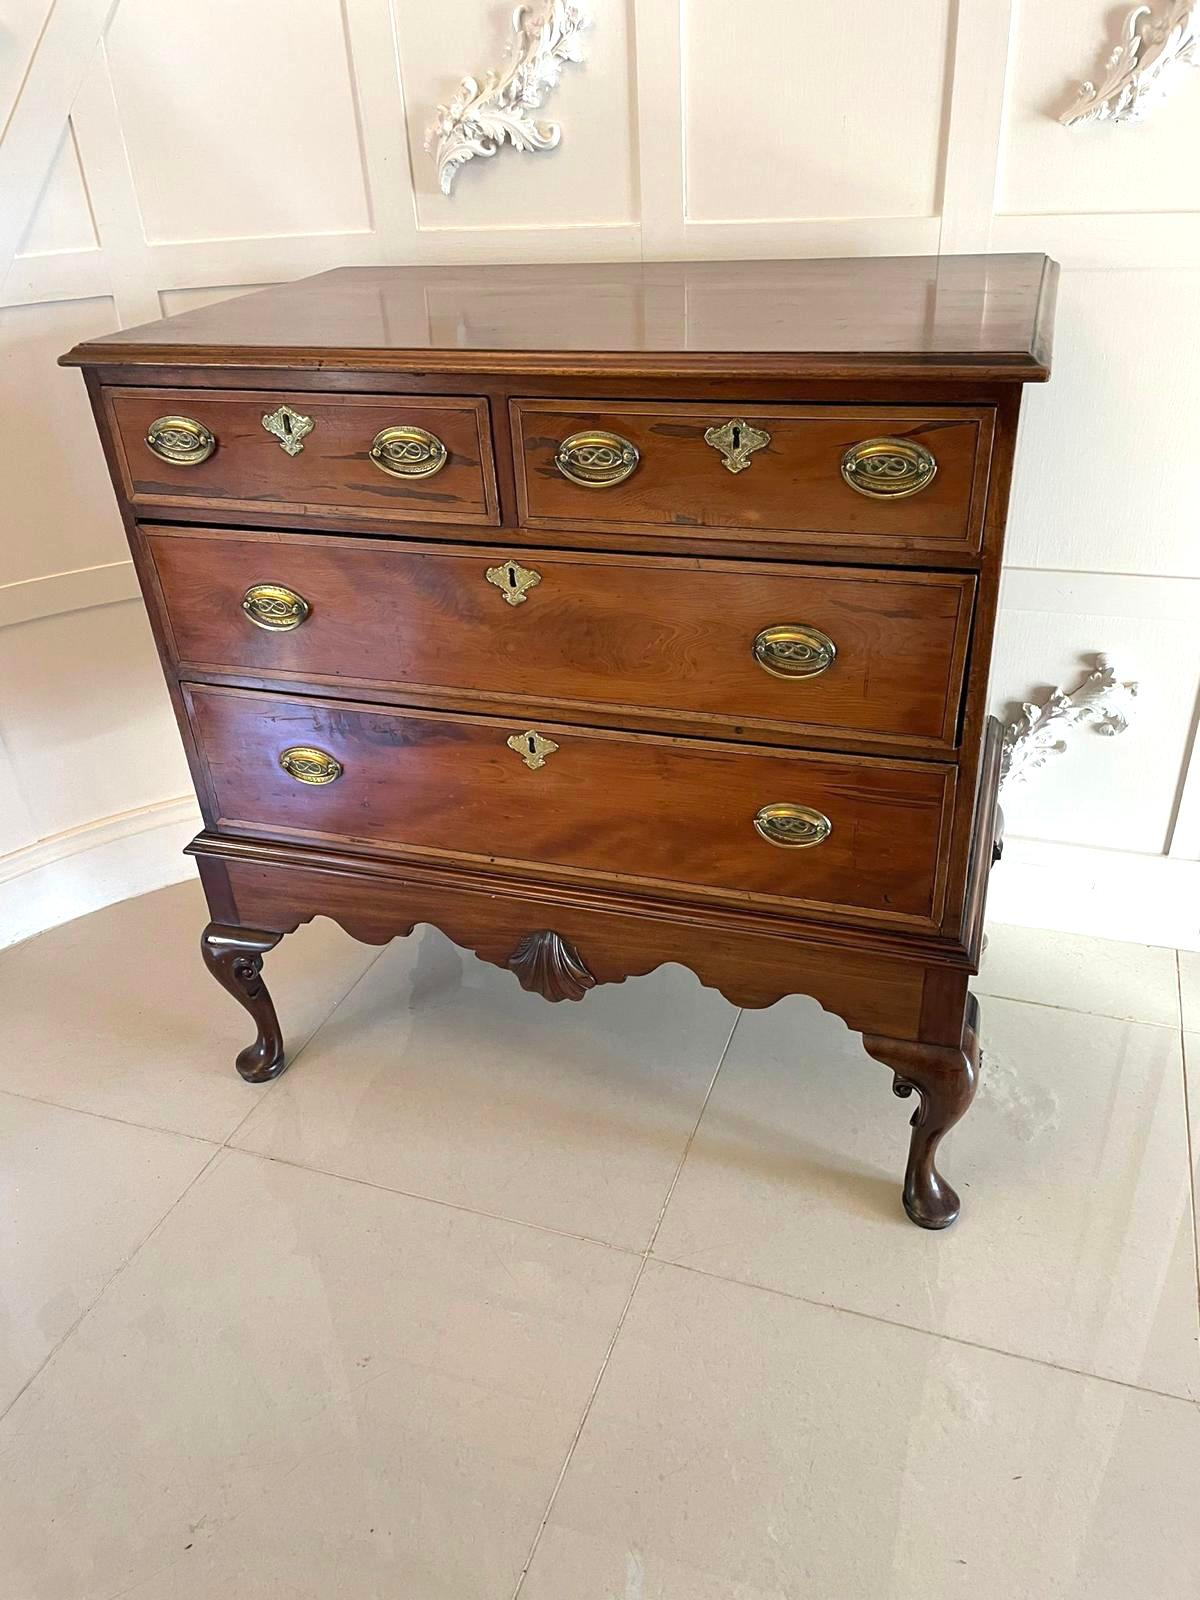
{"x": 274, "y": 607}
{"x": 596, "y": 460}
{"x": 308, "y": 765}
{"x": 794, "y": 650}
{"x": 532, "y": 748}
{"x": 408, "y": 452}
{"x": 181, "y": 441}
{"x": 888, "y": 469}
{"x": 513, "y": 580}
{"x": 290, "y": 427}
{"x": 737, "y": 441}
{"x": 791, "y": 826}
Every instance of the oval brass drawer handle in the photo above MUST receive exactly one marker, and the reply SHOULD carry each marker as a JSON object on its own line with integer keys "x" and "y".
{"x": 408, "y": 452}
{"x": 794, "y": 650}
{"x": 596, "y": 460}
{"x": 274, "y": 607}
{"x": 309, "y": 765}
{"x": 791, "y": 826}
{"x": 888, "y": 469}
{"x": 181, "y": 441}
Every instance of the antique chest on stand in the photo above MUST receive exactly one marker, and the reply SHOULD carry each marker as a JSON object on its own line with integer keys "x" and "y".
{"x": 599, "y": 616}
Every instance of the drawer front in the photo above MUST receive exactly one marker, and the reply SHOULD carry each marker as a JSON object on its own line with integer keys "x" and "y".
{"x": 422, "y": 459}
{"x": 668, "y": 814}
{"x": 908, "y": 476}
{"x": 874, "y": 655}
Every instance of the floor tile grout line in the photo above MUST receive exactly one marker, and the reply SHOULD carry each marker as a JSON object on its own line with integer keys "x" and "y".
{"x": 108, "y": 1116}
{"x": 1189, "y": 1132}
{"x": 477, "y": 1211}
{"x": 654, "y": 1232}
{"x": 1178, "y": 995}
{"x": 612, "y": 1343}
{"x": 928, "y": 1333}
{"x": 1075, "y": 1011}
{"x": 217, "y": 1149}
{"x": 290, "y": 1061}
{"x": 117, "y": 1272}
{"x": 181, "y": 1133}
{"x": 435, "y": 1200}
{"x": 587, "y": 1411}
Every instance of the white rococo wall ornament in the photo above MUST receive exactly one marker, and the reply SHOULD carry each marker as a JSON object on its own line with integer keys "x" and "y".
{"x": 1101, "y": 700}
{"x": 482, "y": 116}
{"x": 1143, "y": 67}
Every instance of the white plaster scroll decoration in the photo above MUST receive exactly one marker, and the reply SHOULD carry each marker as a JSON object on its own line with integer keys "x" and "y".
{"x": 1137, "y": 75}
{"x": 1042, "y": 731}
{"x": 482, "y": 116}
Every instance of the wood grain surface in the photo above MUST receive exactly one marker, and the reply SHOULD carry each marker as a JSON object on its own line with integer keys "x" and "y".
{"x": 793, "y": 486}
{"x": 617, "y": 807}
{"x": 983, "y": 317}
{"x": 623, "y": 633}
{"x": 333, "y": 472}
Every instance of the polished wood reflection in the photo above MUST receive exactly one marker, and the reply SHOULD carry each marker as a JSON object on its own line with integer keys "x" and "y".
{"x": 587, "y": 775}
{"x": 986, "y": 315}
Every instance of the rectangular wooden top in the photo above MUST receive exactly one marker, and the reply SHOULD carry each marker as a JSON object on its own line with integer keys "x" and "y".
{"x": 947, "y": 317}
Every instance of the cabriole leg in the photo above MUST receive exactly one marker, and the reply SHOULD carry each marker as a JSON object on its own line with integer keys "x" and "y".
{"x": 944, "y": 1079}
{"x": 234, "y": 956}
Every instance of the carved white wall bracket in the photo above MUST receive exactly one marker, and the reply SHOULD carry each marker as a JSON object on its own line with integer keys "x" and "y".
{"x": 1141, "y": 69}
{"x": 482, "y": 116}
{"x": 1042, "y": 731}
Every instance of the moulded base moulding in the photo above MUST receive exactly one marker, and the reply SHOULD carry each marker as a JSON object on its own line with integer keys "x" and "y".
{"x": 86, "y": 869}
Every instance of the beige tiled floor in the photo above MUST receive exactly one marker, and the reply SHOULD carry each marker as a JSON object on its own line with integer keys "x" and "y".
{"x": 1189, "y": 988}
{"x": 487, "y": 1298}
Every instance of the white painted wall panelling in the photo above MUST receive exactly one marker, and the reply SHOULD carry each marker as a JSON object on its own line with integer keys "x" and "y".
{"x": 299, "y": 131}
{"x": 85, "y": 716}
{"x": 1109, "y": 454}
{"x": 1107, "y": 791}
{"x": 18, "y": 40}
{"x": 59, "y": 510}
{"x": 243, "y": 127}
{"x": 33, "y": 130}
{"x": 788, "y": 114}
{"x": 1047, "y": 168}
{"x": 63, "y": 219}
{"x": 589, "y": 179}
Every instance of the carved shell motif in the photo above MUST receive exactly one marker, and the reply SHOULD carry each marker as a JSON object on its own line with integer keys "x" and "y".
{"x": 550, "y": 966}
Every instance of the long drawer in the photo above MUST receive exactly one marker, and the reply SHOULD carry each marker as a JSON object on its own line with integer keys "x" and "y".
{"x": 899, "y": 476}
{"x": 869, "y": 654}
{"x": 832, "y": 834}
{"x": 399, "y": 457}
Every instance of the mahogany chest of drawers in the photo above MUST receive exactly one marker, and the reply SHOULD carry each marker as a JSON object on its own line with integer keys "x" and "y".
{"x": 600, "y": 616}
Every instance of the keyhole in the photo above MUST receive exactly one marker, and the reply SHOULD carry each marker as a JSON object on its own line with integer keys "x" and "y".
{"x": 532, "y": 746}
{"x": 287, "y": 424}
{"x": 512, "y": 576}
{"x": 737, "y": 437}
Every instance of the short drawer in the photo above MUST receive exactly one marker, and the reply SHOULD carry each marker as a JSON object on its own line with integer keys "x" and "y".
{"x": 350, "y": 456}
{"x": 868, "y": 654}
{"x": 862, "y": 836}
{"x": 907, "y": 476}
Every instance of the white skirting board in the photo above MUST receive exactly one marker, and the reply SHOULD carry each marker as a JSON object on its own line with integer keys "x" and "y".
{"x": 70, "y": 874}
{"x": 1112, "y": 894}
